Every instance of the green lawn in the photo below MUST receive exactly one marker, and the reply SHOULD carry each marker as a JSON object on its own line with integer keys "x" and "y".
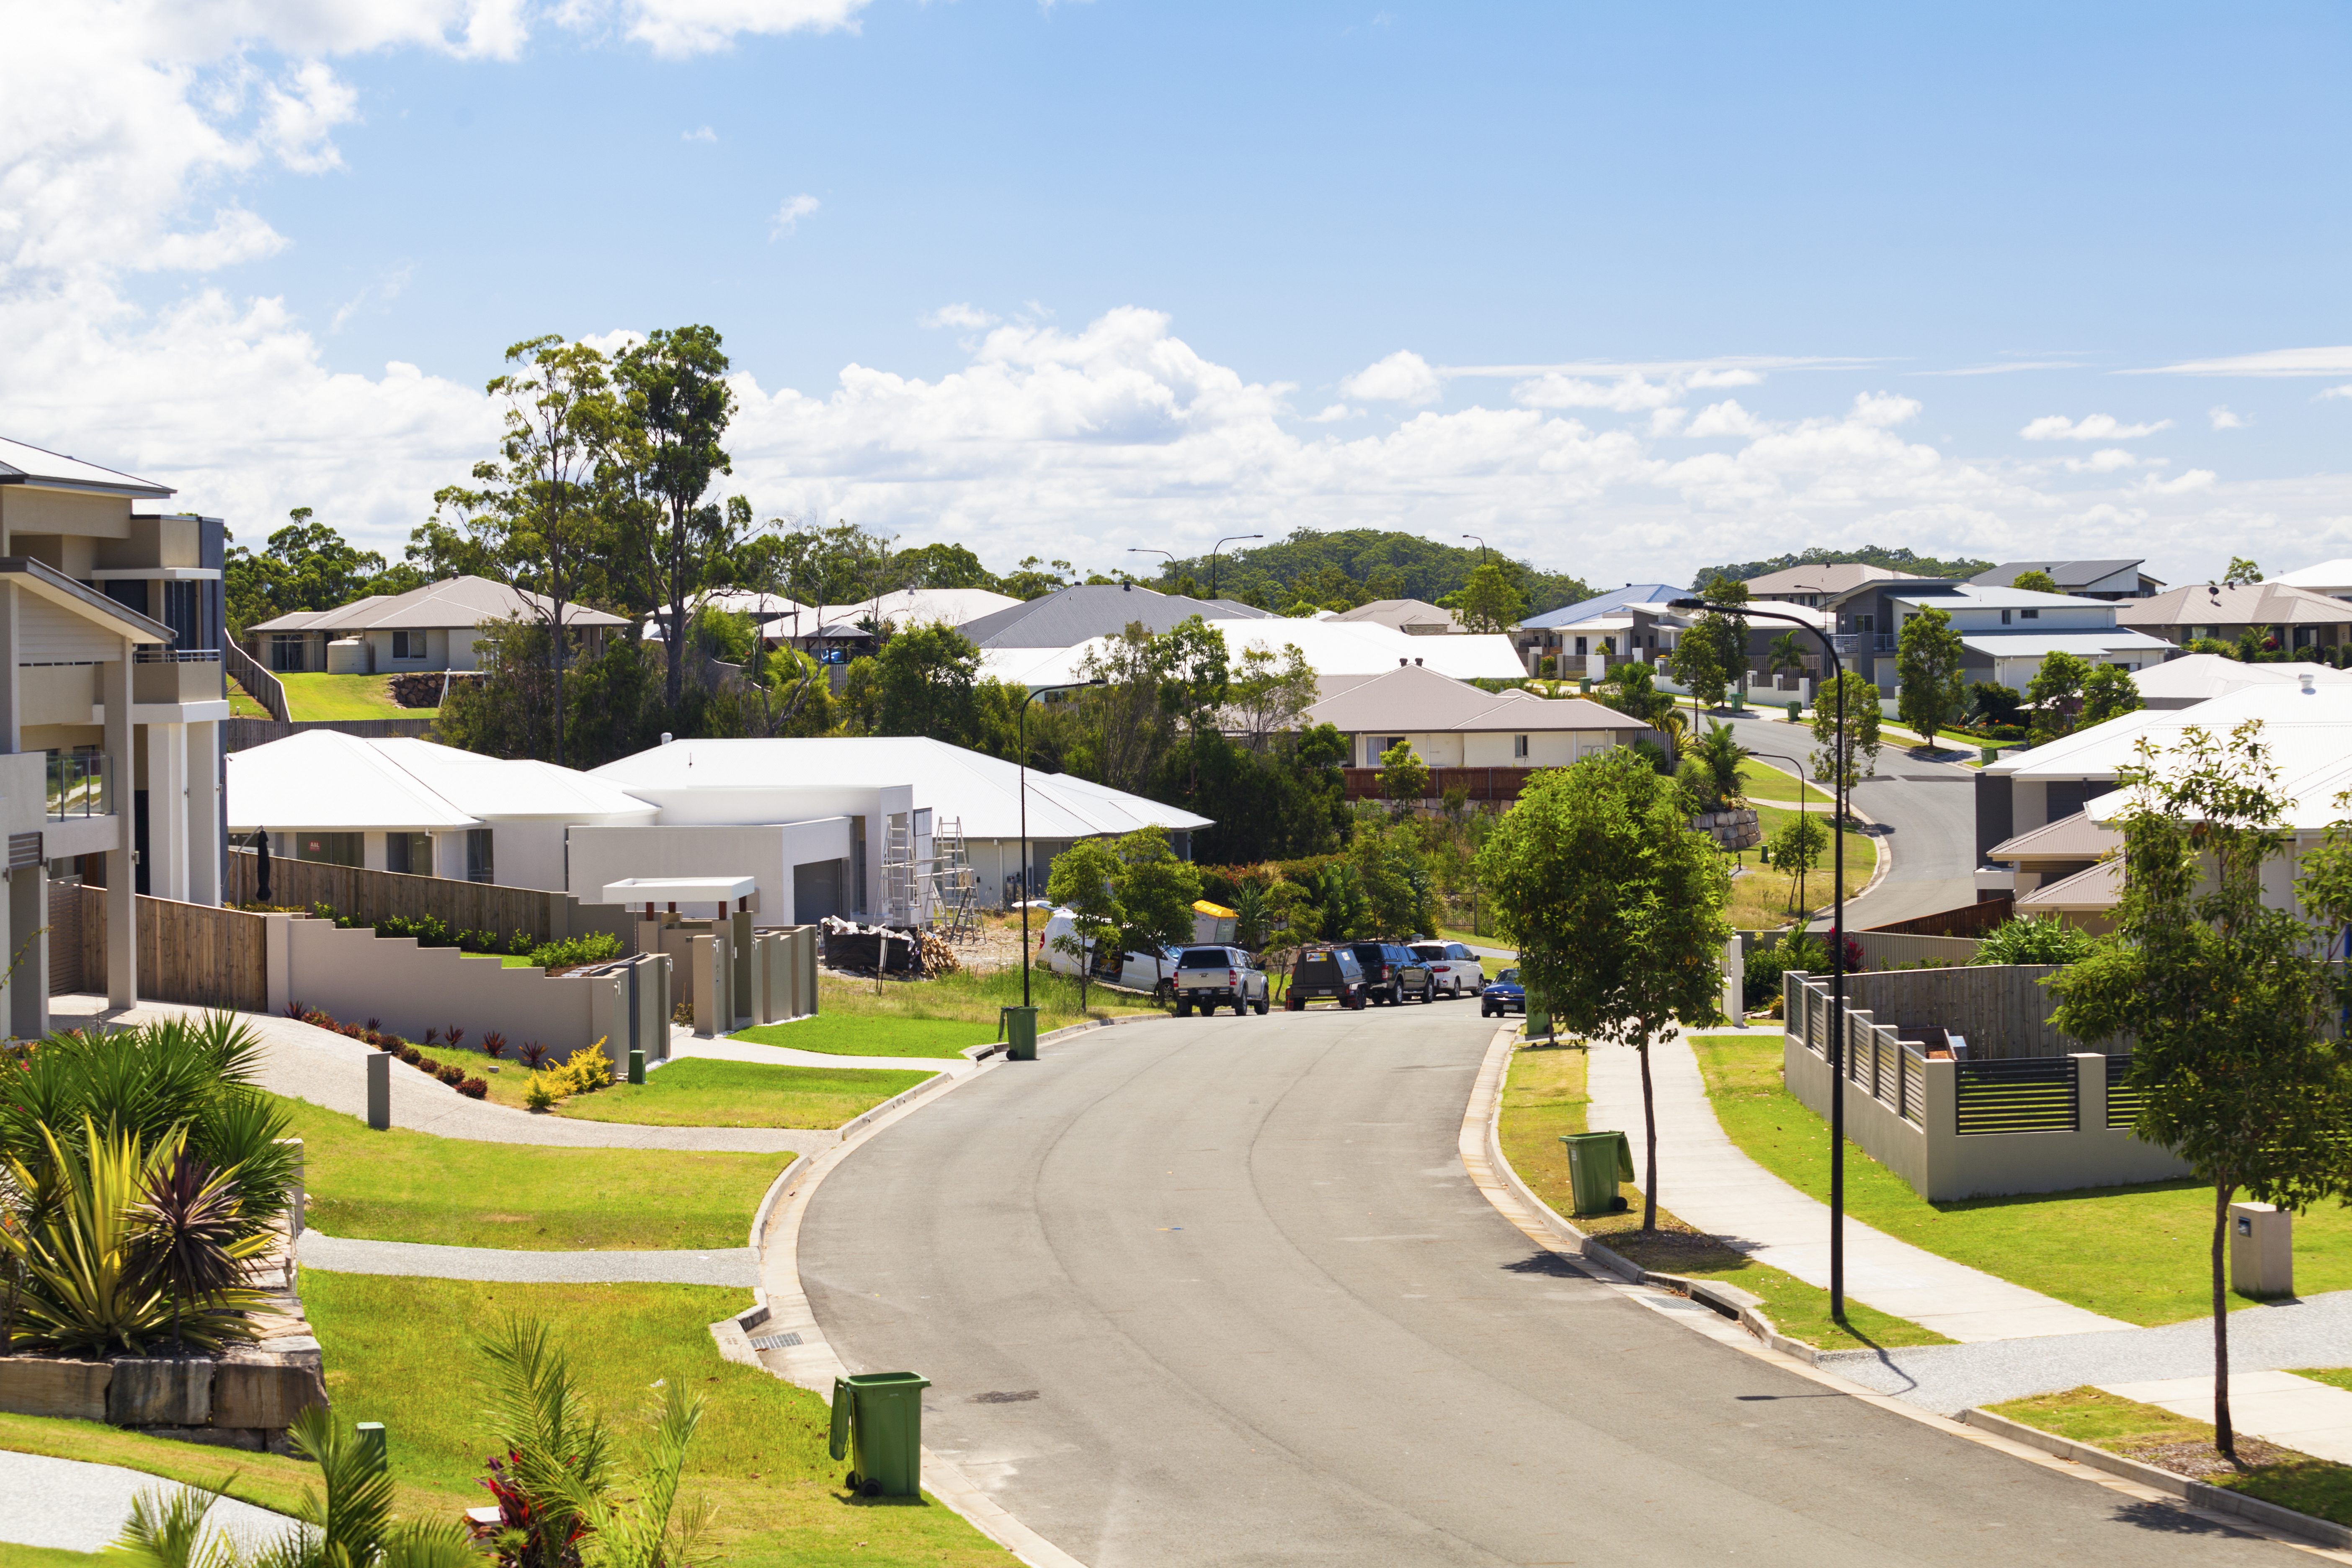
{"x": 974, "y": 998}
{"x": 2137, "y": 1253}
{"x": 697, "y": 1092}
{"x": 871, "y": 1034}
{"x": 1763, "y": 899}
{"x": 400, "y": 1185}
{"x": 1544, "y": 1098}
{"x": 315, "y": 696}
{"x": 2155, "y": 1436}
{"x": 1448, "y": 933}
{"x": 404, "y": 1352}
{"x": 15, "y": 1556}
{"x": 1769, "y": 781}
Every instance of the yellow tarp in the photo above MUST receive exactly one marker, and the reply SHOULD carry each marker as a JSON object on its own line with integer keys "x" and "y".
{"x": 1214, "y": 911}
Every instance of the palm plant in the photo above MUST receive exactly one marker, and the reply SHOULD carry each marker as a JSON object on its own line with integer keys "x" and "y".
{"x": 1251, "y": 912}
{"x": 1719, "y": 752}
{"x": 557, "y": 1449}
{"x": 191, "y": 1238}
{"x": 1787, "y": 653}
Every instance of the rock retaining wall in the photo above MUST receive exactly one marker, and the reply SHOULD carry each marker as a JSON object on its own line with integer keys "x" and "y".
{"x": 1731, "y": 829}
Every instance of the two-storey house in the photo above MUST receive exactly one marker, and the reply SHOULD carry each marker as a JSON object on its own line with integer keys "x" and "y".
{"x": 2005, "y": 633}
{"x": 111, "y": 706}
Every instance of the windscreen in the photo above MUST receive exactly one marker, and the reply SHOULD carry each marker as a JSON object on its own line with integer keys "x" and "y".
{"x": 1205, "y": 958}
{"x": 1429, "y": 950}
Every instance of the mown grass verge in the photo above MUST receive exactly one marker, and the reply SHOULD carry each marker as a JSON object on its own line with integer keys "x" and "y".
{"x": 694, "y": 1091}
{"x": 970, "y": 997}
{"x": 399, "y": 1185}
{"x": 407, "y": 1352}
{"x": 1544, "y": 1097}
{"x": 872, "y": 1035}
{"x": 2155, "y": 1436}
{"x": 2137, "y": 1253}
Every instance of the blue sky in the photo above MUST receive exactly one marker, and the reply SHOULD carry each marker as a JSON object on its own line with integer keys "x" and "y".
{"x": 1121, "y": 272}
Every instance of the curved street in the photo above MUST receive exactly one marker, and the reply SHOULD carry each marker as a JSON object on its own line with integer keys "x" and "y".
{"x": 1927, "y": 817}
{"x": 1221, "y": 1292}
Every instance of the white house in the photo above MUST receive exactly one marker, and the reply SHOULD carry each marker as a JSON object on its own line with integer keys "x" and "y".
{"x": 1331, "y": 648}
{"x": 427, "y": 628}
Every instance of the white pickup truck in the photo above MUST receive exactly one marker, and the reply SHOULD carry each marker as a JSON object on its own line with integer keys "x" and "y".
{"x": 1213, "y": 977}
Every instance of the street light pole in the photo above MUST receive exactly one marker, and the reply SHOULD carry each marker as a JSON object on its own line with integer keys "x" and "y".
{"x": 1147, "y": 550}
{"x": 1837, "y": 954}
{"x": 1235, "y": 539}
{"x": 1482, "y": 548}
{"x": 1022, "y": 723}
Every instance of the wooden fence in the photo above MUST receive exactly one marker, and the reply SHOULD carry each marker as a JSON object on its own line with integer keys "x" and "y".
{"x": 1968, "y": 920}
{"x": 260, "y": 684}
{"x": 240, "y": 735}
{"x": 372, "y": 896}
{"x": 187, "y": 953}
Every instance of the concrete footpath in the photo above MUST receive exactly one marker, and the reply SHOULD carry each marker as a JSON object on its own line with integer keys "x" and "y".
{"x": 1710, "y": 1183}
{"x": 715, "y": 1265}
{"x": 80, "y": 1506}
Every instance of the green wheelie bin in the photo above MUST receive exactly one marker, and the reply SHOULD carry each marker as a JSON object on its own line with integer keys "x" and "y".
{"x": 1019, "y": 1026}
{"x": 1596, "y": 1162}
{"x": 877, "y": 1420}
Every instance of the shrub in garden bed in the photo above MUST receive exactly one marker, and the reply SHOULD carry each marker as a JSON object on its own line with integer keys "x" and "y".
{"x": 474, "y": 1088}
{"x": 451, "y": 1074}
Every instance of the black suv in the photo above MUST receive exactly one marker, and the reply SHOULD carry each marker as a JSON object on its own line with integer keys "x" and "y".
{"x": 1326, "y": 972}
{"x": 1393, "y": 972}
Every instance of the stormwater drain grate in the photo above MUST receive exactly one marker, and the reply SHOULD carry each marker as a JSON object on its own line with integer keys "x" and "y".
{"x": 775, "y": 1342}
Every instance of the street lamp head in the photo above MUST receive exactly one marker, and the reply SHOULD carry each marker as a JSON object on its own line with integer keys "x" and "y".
{"x": 1688, "y": 603}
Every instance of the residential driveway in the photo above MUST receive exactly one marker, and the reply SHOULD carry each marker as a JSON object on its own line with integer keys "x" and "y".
{"x": 1221, "y": 1292}
{"x": 1927, "y": 816}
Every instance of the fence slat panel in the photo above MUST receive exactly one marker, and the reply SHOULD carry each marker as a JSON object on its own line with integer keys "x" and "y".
{"x": 372, "y": 896}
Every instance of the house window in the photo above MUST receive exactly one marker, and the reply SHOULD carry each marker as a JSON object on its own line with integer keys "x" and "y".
{"x": 1518, "y": 747}
{"x": 408, "y": 645}
{"x": 2004, "y": 617}
{"x": 288, "y": 651}
{"x": 2029, "y": 614}
{"x": 410, "y": 854}
{"x": 335, "y": 848}
{"x": 183, "y": 613}
{"x": 478, "y": 867}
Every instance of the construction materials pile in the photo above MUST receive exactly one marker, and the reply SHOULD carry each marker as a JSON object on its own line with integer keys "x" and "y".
{"x": 858, "y": 949}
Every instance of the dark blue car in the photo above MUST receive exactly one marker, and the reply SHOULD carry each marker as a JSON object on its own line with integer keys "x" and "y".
{"x": 1504, "y": 994}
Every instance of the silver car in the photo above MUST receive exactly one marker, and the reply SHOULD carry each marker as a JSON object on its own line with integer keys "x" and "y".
{"x": 1455, "y": 970}
{"x": 1213, "y": 977}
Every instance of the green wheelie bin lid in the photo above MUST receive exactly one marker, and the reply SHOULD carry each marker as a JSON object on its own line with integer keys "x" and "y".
{"x": 1596, "y": 1162}
{"x": 878, "y": 1421}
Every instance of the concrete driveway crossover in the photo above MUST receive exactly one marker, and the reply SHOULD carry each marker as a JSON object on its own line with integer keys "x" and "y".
{"x": 1221, "y": 1292}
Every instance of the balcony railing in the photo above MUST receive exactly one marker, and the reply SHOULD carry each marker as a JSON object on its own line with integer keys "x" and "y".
{"x": 158, "y": 655}
{"x": 79, "y": 784}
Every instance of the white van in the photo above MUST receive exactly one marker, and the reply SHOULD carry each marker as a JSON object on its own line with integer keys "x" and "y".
{"x": 1136, "y": 971}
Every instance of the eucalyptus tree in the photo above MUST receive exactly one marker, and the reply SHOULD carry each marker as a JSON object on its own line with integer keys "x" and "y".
{"x": 676, "y": 405}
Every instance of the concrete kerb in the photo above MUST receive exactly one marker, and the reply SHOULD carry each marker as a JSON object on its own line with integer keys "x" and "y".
{"x": 2326, "y": 1532}
{"x": 1480, "y": 1151}
{"x": 811, "y": 1361}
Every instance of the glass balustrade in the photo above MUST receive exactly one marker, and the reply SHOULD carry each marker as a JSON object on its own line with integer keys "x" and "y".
{"x": 79, "y": 784}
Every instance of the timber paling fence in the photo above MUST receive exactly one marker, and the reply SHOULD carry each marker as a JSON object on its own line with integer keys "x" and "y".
{"x": 370, "y": 897}
{"x": 191, "y": 954}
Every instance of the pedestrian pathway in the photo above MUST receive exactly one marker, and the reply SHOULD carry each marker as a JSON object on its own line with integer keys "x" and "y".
{"x": 736, "y": 1266}
{"x": 2314, "y": 1330}
{"x": 1707, "y": 1181}
{"x": 81, "y": 1507}
{"x": 305, "y": 1062}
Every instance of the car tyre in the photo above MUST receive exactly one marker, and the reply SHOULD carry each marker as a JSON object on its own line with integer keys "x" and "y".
{"x": 1241, "y": 1007}
{"x": 1396, "y": 994}
{"x": 1428, "y": 994}
{"x": 1184, "y": 1009}
{"x": 1485, "y": 1011}
{"x": 1263, "y": 1003}
{"x": 1296, "y": 1004}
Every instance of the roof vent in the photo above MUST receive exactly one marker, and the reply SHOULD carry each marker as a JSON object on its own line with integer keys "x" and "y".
{"x": 1401, "y": 664}
{"x": 1126, "y": 587}
{"x": 2309, "y": 685}
{"x": 665, "y": 737}
{"x": 1417, "y": 661}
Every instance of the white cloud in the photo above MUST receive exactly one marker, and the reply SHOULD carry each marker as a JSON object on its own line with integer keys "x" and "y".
{"x": 2338, "y": 392}
{"x": 2224, "y": 420}
{"x": 788, "y": 217}
{"x": 2090, "y": 427}
{"x": 2106, "y": 461}
{"x": 1727, "y": 419}
{"x": 1332, "y": 414}
{"x": 1627, "y": 395}
{"x": 677, "y": 28}
{"x": 1713, "y": 379}
{"x": 2005, "y": 366}
{"x": 700, "y": 133}
{"x": 1884, "y": 410}
{"x": 1668, "y": 421}
{"x": 968, "y": 317}
{"x": 2270, "y": 363}
{"x": 2194, "y": 480}
{"x": 1403, "y": 377}
{"x": 380, "y": 293}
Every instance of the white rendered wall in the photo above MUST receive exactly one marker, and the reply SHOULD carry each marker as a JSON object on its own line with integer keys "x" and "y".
{"x": 603, "y": 856}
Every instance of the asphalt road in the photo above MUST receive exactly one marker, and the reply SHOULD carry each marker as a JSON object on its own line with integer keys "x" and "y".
{"x": 1220, "y": 1292}
{"x": 1926, "y": 814}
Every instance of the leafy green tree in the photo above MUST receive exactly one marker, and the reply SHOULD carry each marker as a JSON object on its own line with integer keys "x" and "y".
{"x": 675, "y": 406}
{"x": 1489, "y": 602}
{"x": 1155, "y": 894}
{"x": 1268, "y": 695}
{"x": 2108, "y": 690}
{"x": 1616, "y": 908}
{"x": 1927, "y": 669}
{"x": 2227, "y": 993}
{"x": 945, "y": 566}
{"x": 1127, "y": 726}
{"x": 2028, "y": 940}
{"x": 2256, "y": 645}
{"x": 1697, "y": 661}
{"x": 1844, "y": 767}
{"x": 923, "y": 684}
{"x": 1720, "y": 754}
{"x": 1394, "y": 875}
{"x": 1084, "y": 880}
{"x": 1404, "y": 777}
{"x": 1629, "y": 689}
{"x": 306, "y": 565}
{"x": 1797, "y": 846}
{"x": 1348, "y": 567}
{"x": 2242, "y": 574}
{"x": 1338, "y": 910}
{"x": 2056, "y": 695}
{"x": 1894, "y": 560}
{"x": 1991, "y": 702}
{"x": 2034, "y": 580}
{"x": 1034, "y": 578}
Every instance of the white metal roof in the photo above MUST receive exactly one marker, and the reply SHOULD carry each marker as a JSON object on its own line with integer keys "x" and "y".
{"x": 2304, "y": 729}
{"x": 36, "y": 466}
{"x": 1330, "y": 647}
{"x": 452, "y": 603}
{"x": 907, "y": 607}
{"x": 2201, "y": 677}
{"x": 767, "y": 776}
{"x": 718, "y": 890}
{"x": 326, "y": 781}
{"x": 2320, "y": 576}
{"x": 2040, "y": 644}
